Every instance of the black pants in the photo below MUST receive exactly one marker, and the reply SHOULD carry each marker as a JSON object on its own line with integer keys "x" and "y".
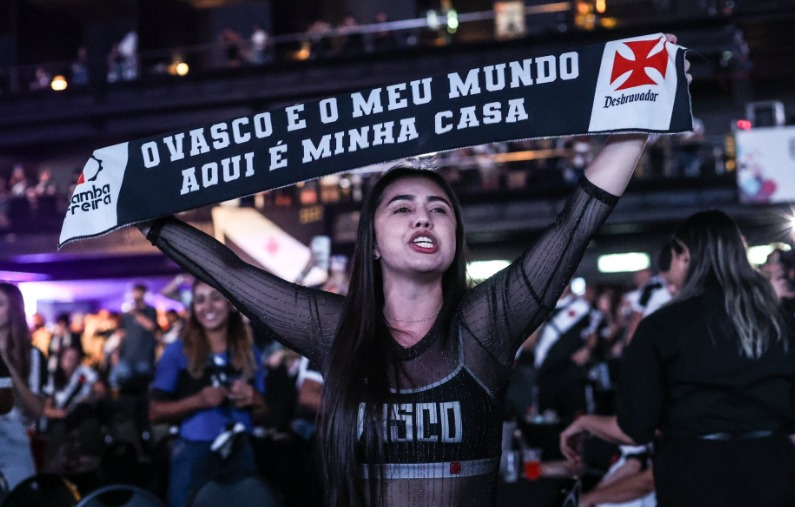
{"x": 743, "y": 473}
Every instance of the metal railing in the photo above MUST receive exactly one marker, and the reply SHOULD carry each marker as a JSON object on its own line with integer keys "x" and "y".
{"x": 321, "y": 41}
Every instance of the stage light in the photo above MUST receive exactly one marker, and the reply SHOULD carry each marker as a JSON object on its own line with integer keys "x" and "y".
{"x": 601, "y": 5}
{"x": 792, "y": 227}
{"x": 178, "y": 67}
{"x": 608, "y": 23}
{"x": 304, "y": 52}
{"x": 58, "y": 83}
{"x": 743, "y": 124}
{"x": 757, "y": 255}
{"x": 452, "y": 21}
{"x": 433, "y": 20}
{"x": 623, "y": 262}
{"x": 578, "y": 286}
{"x": 481, "y": 270}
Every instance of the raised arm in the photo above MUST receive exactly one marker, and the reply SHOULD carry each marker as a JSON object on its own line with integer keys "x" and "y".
{"x": 604, "y": 427}
{"x": 612, "y": 169}
{"x": 300, "y": 318}
{"x": 499, "y": 314}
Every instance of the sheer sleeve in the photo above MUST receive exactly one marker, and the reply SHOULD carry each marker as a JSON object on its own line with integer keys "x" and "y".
{"x": 500, "y": 313}
{"x": 303, "y": 319}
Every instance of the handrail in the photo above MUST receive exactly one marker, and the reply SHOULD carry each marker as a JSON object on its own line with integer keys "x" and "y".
{"x": 208, "y": 56}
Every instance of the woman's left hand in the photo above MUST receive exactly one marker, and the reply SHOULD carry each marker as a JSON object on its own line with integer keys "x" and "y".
{"x": 672, "y": 39}
{"x": 241, "y": 394}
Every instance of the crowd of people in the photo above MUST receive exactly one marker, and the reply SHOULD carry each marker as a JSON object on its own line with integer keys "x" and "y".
{"x": 90, "y": 377}
{"x": 707, "y": 380}
{"x": 232, "y": 49}
{"x": 400, "y": 385}
{"x": 101, "y": 379}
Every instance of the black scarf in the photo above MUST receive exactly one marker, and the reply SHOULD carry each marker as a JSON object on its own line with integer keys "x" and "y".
{"x": 630, "y": 85}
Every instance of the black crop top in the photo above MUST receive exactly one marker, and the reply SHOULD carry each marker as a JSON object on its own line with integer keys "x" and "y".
{"x": 444, "y": 421}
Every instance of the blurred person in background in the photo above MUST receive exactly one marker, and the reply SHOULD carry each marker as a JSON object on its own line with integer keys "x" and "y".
{"x": 136, "y": 356}
{"x": 176, "y": 324}
{"x": 62, "y": 338}
{"x": 562, "y": 349}
{"x": 79, "y": 69}
{"x": 4, "y": 204}
{"x": 258, "y": 46}
{"x": 208, "y": 382}
{"x": 41, "y": 79}
{"x": 69, "y": 391}
{"x": 349, "y": 41}
{"x": 712, "y": 376}
{"x": 39, "y": 334}
{"x": 660, "y": 289}
{"x": 45, "y": 186}
{"x": 25, "y": 364}
{"x": 18, "y": 181}
{"x": 318, "y": 37}
{"x": 780, "y": 270}
{"x": 231, "y": 44}
{"x": 110, "y": 349}
{"x": 384, "y": 39}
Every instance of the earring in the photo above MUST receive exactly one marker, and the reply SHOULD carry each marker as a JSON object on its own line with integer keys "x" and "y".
{"x": 376, "y": 256}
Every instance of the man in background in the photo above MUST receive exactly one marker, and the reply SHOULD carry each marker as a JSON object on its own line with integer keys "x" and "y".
{"x": 136, "y": 364}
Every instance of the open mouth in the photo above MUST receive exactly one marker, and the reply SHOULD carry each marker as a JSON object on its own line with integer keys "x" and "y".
{"x": 424, "y": 242}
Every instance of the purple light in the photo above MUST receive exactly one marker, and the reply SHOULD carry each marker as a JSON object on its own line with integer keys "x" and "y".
{"x": 21, "y": 276}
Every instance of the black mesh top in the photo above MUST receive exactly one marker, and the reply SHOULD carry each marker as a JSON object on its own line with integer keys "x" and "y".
{"x": 444, "y": 421}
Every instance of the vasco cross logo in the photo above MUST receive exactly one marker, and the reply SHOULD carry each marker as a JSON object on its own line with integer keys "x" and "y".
{"x": 637, "y": 67}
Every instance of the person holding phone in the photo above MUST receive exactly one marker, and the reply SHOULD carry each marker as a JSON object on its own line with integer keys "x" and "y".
{"x": 211, "y": 383}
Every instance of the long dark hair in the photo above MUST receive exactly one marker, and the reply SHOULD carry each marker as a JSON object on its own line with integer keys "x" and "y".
{"x": 19, "y": 341}
{"x": 362, "y": 355}
{"x": 718, "y": 257}
{"x": 238, "y": 342}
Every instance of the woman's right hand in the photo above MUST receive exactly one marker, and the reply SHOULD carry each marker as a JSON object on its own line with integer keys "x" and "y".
{"x": 570, "y": 440}
{"x": 211, "y": 397}
{"x": 144, "y": 227}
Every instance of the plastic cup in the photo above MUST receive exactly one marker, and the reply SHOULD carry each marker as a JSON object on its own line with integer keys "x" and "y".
{"x": 531, "y": 462}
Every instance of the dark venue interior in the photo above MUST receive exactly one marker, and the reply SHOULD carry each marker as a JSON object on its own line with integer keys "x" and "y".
{"x": 78, "y": 75}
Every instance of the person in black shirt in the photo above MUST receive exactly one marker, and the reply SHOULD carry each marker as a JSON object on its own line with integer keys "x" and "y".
{"x": 415, "y": 365}
{"x": 433, "y": 438}
{"x": 712, "y": 374}
{"x": 136, "y": 363}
